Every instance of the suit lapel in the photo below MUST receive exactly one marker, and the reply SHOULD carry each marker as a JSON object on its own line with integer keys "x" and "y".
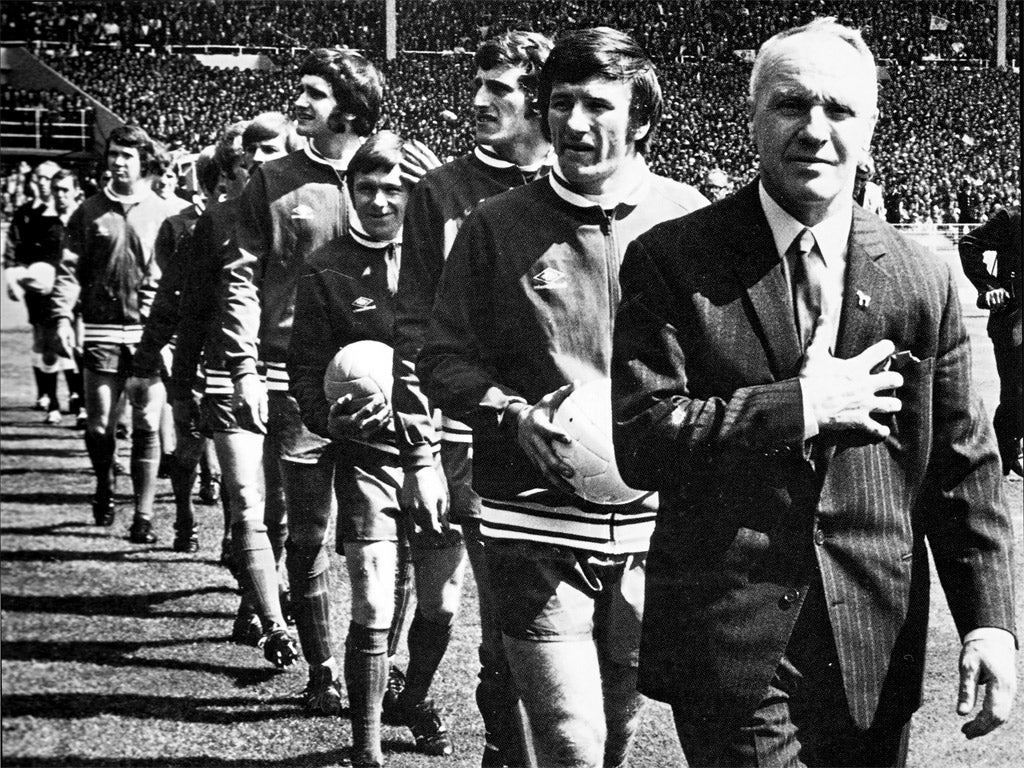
{"x": 759, "y": 269}
{"x": 867, "y": 286}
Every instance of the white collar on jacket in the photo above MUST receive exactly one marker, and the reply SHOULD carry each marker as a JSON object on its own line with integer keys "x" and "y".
{"x": 338, "y": 164}
{"x": 145, "y": 194}
{"x": 486, "y": 155}
{"x": 631, "y": 193}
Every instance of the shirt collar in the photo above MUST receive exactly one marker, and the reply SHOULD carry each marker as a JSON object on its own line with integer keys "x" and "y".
{"x": 831, "y": 234}
{"x": 316, "y": 156}
{"x": 632, "y": 193}
{"x": 365, "y": 240}
{"x": 487, "y": 156}
{"x": 127, "y": 199}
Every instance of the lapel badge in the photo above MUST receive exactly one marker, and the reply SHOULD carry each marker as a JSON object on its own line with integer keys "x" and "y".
{"x": 863, "y": 300}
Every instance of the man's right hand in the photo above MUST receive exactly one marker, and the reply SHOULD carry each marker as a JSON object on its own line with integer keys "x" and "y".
{"x": 843, "y": 394}
{"x": 250, "y": 403}
{"x": 59, "y": 341}
{"x": 424, "y": 497}
{"x": 994, "y": 299}
{"x": 537, "y": 434}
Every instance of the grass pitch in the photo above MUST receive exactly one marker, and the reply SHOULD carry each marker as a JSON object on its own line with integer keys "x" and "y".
{"x": 119, "y": 655}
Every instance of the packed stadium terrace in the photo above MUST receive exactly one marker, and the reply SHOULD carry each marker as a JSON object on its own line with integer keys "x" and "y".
{"x": 903, "y": 30}
{"x": 947, "y": 147}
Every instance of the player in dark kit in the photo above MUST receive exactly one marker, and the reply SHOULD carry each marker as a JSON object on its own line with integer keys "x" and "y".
{"x": 511, "y": 150}
{"x": 346, "y": 296}
{"x": 108, "y": 265}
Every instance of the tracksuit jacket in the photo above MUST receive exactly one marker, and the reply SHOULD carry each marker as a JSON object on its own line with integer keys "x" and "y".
{"x": 207, "y": 252}
{"x": 344, "y": 296}
{"x": 438, "y": 205}
{"x": 171, "y": 254}
{"x": 290, "y": 208}
{"x": 104, "y": 228}
{"x": 526, "y": 305}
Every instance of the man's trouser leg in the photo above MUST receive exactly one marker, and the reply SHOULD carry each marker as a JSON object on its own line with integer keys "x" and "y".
{"x": 1009, "y": 415}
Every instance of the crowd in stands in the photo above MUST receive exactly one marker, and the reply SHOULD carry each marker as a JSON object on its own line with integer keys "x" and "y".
{"x": 57, "y": 104}
{"x": 900, "y": 30}
{"x": 895, "y": 29}
{"x": 45, "y": 118}
{"x": 947, "y": 147}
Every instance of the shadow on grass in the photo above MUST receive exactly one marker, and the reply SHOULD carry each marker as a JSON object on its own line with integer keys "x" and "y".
{"x": 60, "y": 453}
{"x": 47, "y": 497}
{"x": 70, "y": 556}
{"x": 180, "y": 709}
{"x": 20, "y": 434}
{"x": 125, "y": 655}
{"x": 141, "y": 606}
{"x": 308, "y": 760}
{"x": 62, "y": 471}
{"x": 44, "y": 530}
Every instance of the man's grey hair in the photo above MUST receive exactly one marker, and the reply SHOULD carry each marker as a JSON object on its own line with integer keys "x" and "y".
{"x": 826, "y": 26}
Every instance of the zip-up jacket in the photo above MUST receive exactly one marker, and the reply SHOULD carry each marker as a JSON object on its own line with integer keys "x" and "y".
{"x": 170, "y": 253}
{"x": 290, "y": 208}
{"x": 438, "y": 205}
{"x": 526, "y": 305}
{"x": 205, "y": 255}
{"x": 343, "y": 297}
{"x": 103, "y": 229}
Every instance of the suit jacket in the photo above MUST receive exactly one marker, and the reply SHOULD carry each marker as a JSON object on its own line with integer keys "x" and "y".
{"x": 1002, "y": 234}
{"x": 708, "y": 411}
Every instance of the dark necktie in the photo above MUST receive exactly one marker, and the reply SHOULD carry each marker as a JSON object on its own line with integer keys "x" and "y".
{"x": 392, "y": 260}
{"x": 806, "y": 268}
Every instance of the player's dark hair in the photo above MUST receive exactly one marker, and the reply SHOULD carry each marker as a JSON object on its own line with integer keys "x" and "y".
{"x": 207, "y": 171}
{"x": 380, "y": 152}
{"x": 355, "y": 83}
{"x": 611, "y": 55}
{"x": 63, "y": 174}
{"x": 516, "y": 48}
{"x": 135, "y": 137}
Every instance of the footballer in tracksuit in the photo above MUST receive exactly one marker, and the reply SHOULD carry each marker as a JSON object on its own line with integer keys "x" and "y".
{"x": 108, "y": 266}
{"x": 345, "y": 296}
{"x": 292, "y": 207}
{"x": 148, "y": 364}
{"x": 524, "y": 311}
{"x": 253, "y": 488}
{"x": 511, "y": 151}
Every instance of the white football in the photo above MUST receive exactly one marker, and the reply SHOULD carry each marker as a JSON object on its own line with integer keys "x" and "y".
{"x": 586, "y": 416}
{"x": 39, "y": 278}
{"x": 362, "y": 368}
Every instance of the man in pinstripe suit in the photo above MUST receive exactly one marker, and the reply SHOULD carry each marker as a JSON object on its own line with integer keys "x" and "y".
{"x": 794, "y": 378}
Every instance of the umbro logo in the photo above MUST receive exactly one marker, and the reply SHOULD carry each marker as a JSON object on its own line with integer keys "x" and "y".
{"x": 363, "y": 304}
{"x": 550, "y": 279}
{"x": 302, "y": 211}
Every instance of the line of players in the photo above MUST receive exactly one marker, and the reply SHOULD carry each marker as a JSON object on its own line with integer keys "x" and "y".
{"x": 340, "y": 234}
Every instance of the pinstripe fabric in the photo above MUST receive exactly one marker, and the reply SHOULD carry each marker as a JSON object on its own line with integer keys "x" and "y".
{"x": 708, "y": 412}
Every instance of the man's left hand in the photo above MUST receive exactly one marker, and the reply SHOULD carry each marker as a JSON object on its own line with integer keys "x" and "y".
{"x": 987, "y": 661}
